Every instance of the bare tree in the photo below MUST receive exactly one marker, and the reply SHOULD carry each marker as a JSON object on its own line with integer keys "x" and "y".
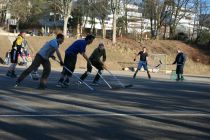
{"x": 115, "y": 9}
{"x": 64, "y": 8}
{"x": 143, "y": 24}
{"x": 204, "y": 17}
{"x": 125, "y": 6}
{"x": 19, "y": 10}
{"x": 100, "y": 10}
{"x": 3, "y": 10}
{"x": 150, "y": 13}
{"x": 178, "y": 10}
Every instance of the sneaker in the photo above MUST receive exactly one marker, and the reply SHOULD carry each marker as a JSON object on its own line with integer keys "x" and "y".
{"x": 79, "y": 82}
{"x": 178, "y": 79}
{"x": 182, "y": 78}
{"x": 35, "y": 76}
{"x": 13, "y": 75}
{"x": 17, "y": 84}
{"x": 42, "y": 87}
{"x": 60, "y": 84}
{"x": 9, "y": 73}
{"x": 95, "y": 84}
{"x": 65, "y": 83}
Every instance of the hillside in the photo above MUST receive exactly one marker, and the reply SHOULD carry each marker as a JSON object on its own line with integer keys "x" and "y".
{"x": 124, "y": 51}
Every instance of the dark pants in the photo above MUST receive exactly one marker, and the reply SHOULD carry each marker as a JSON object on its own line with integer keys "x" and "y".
{"x": 69, "y": 63}
{"x": 98, "y": 66}
{"x": 179, "y": 71}
{"x": 14, "y": 55}
{"x": 38, "y": 60}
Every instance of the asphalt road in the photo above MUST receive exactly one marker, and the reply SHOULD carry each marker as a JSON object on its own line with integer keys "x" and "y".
{"x": 154, "y": 109}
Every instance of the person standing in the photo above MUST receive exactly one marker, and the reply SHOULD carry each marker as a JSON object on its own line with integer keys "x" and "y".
{"x": 15, "y": 52}
{"x": 79, "y": 46}
{"x": 180, "y": 62}
{"x": 143, "y": 62}
{"x": 42, "y": 58}
{"x": 95, "y": 60}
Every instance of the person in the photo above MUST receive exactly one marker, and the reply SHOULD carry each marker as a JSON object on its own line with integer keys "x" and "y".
{"x": 15, "y": 52}
{"x": 143, "y": 62}
{"x": 70, "y": 59}
{"x": 28, "y": 51}
{"x": 180, "y": 62}
{"x": 25, "y": 51}
{"x": 95, "y": 60}
{"x": 42, "y": 58}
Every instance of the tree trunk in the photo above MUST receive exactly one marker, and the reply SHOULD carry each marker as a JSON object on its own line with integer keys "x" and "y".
{"x": 151, "y": 28}
{"x": 78, "y": 31}
{"x": 91, "y": 28}
{"x": 66, "y": 18}
{"x": 103, "y": 30}
{"x": 17, "y": 26}
{"x": 172, "y": 32}
{"x": 157, "y": 34}
{"x": 126, "y": 18}
{"x": 164, "y": 34}
{"x": 114, "y": 30}
{"x": 81, "y": 30}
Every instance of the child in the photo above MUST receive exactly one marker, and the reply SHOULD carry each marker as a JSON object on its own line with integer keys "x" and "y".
{"x": 15, "y": 52}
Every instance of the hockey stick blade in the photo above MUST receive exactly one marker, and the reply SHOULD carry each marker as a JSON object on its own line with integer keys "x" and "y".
{"x": 160, "y": 63}
{"x": 128, "y": 86}
{"x": 120, "y": 87}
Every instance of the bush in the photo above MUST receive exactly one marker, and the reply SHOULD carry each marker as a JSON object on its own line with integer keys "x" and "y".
{"x": 203, "y": 39}
{"x": 182, "y": 36}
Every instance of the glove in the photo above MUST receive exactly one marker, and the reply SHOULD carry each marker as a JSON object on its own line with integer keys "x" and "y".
{"x": 61, "y": 63}
{"x": 53, "y": 57}
{"x": 134, "y": 59}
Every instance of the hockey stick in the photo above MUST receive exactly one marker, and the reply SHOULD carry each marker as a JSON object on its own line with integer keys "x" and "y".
{"x": 76, "y": 76}
{"x": 121, "y": 84}
{"x": 160, "y": 63}
{"x": 102, "y": 77}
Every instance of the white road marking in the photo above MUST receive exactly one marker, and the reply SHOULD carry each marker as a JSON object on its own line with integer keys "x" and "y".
{"x": 109, "y": 114}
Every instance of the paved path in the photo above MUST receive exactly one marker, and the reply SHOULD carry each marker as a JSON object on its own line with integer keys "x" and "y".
{"x": 151, "y": 109}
